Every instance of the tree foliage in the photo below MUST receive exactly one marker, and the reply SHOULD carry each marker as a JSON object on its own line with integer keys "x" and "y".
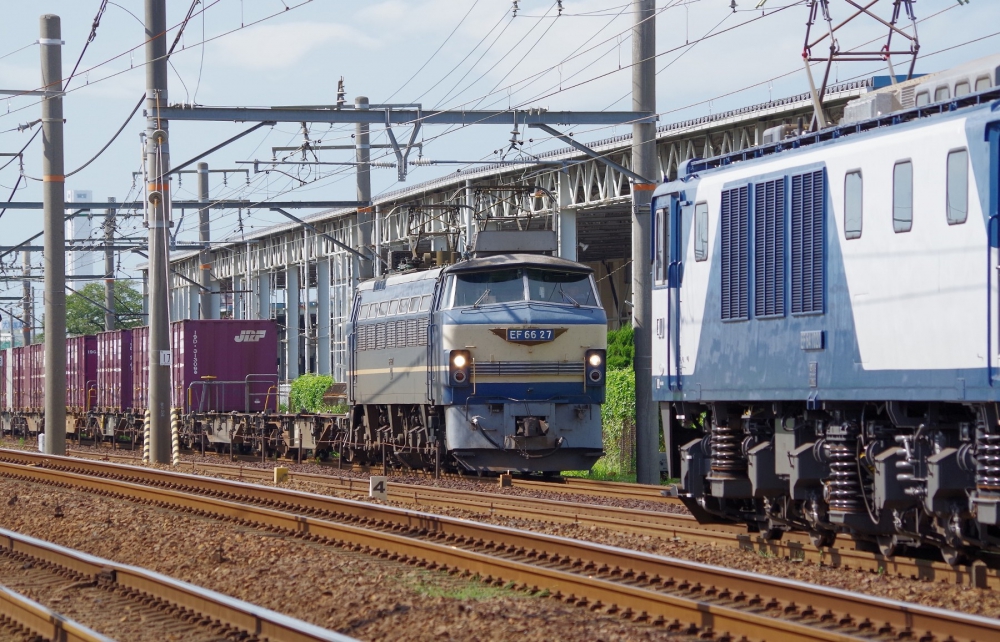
{"x": 87, "y": 317}
{"x": 621, "y": 348}
{"x": 307, "y": 393}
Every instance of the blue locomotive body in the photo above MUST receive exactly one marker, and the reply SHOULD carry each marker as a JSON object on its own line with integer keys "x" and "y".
{"x": 826, "y": 312}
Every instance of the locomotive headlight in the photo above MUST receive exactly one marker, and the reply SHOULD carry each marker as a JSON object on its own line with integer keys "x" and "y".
{"x": 458, "y": 368}
{"x": 593, "y": 361}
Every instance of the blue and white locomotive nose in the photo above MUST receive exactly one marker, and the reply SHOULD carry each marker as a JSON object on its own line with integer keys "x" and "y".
{"x": 521, "y": 354}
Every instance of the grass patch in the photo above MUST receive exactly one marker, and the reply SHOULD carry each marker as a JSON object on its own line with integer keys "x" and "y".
{"x": 432, "y": 584}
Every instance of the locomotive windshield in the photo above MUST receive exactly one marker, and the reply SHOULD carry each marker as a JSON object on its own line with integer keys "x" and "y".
{"x": 473, "y": 289}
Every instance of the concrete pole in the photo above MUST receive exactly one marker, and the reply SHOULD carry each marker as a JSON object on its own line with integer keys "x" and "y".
{"x": 468, "y": 218}
{"x": 307, "y": 342}
{"x": 362, "y": 154}
{"x": 567, "y": 220}
{"x": 643, "y": 163}
{"x": 204, "y": 237}
{"x": 291, "y": 322}
{"x": 26, "y": 311}
{"x": 54, "y": 257}
{"x": 323, "y": 347}
{"x": 157, "y": 166}
{"x": 109, "y": 268}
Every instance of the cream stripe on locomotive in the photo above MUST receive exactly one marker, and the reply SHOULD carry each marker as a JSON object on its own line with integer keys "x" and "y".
{"x": 487, "y": 346}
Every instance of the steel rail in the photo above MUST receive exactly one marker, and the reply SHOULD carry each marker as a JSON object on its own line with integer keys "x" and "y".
{"x": 669, "y": 526}
{"x": 229, "y": 611}
{"x": 569, "y": 567}
{"x": 43, "y": 621}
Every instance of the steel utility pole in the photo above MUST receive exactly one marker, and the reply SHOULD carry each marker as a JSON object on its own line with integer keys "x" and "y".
{"x": 109, "y": 268}
{"x": 54, "y": 258}
{"x": 157, "y": 166}
{"x": 647, "y": 445}
{"x": 204, "y": 236}
{"x": 26, "y": 301}
{"x": 363, "y": 157}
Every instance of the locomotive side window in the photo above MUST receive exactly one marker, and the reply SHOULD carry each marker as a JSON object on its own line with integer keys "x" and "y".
{"x": 574, "y": 288}
{"x": 393, "y": 307}
{"x": 902, "y": 196}
{"x": 942, "y": 93}
{"x": 701, "y": 231}
{"x": 958, "y": 186}
{"x": 734, "y": 217}
{"x": 383, "y": 308}
{"x": 402, "y": 305}
{"x": 662, "y": 241}
{"x": 414, "y": 303}
{"x": 923, "y": 98}
{"x": 982, "y": 83}
{"x": 425, "y": 303}
{"x": 769, "y": 248}
{"x": 962, "y": 89}
{"x": 853, "y": 205}
{"x": 808, "y": 228}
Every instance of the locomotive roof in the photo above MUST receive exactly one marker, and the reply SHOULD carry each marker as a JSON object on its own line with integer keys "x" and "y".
{"x": 501, "y": 261}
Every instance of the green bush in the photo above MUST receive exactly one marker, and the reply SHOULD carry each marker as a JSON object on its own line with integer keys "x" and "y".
{"x": 618, "y": 419}
{"x": 307, "y": 393}
{"x": 621, "y": 348}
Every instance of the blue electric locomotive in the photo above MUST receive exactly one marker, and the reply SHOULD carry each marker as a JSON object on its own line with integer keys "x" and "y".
{"x": 826, "y": 315}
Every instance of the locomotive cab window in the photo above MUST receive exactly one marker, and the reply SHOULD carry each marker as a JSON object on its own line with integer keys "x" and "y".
{"x": 853, "y": 205}
{"x": 701, "y": 231}
{"x": 902, "y": 196}
{"x": 484, "y": 288}
{"x": 958, "y": 186}
{"x": 575, "y": 288}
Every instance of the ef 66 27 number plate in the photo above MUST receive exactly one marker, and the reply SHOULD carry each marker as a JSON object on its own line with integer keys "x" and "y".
{"x": 530, "y": 334}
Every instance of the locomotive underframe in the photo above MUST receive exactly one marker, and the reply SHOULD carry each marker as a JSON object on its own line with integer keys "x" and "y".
{"x": 897, "y": 475}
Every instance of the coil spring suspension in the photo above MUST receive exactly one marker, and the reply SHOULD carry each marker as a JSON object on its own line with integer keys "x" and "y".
{"x": 727, "y": 454}
{"x": 987, "y": 461}
{"x": 843, "y": 488}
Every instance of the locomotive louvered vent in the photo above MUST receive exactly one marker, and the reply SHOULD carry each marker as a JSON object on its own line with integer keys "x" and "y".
{"x": 501, "y": 368}
{"x": 769, "y": 248}
{"x": 735, "y": 217}
{"x": 388, "y": 335}
{"x": 808, "y": 220}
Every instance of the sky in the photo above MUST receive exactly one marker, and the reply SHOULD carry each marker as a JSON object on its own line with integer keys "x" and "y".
{"x": 455, "y": 54}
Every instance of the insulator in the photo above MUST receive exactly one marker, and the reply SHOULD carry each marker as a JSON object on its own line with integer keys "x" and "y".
{"x": 988, "y": 462}
{"x": 727, "y": 451}
{"x": 843, "y": 488}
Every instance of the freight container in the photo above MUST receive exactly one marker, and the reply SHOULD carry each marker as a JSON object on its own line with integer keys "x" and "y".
{"x": 114, "y": 371}
{"x": 5, "y": 380}
{"x": 18, "y": 379}
{"x": 224, "y": 365}
{"x": 35, "y": 371}
{"x": 81, "y": 373}
{"x": 220, "y": 365}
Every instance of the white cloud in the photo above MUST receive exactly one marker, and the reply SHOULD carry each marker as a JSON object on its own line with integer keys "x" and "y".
{"x": 275, "y": 47}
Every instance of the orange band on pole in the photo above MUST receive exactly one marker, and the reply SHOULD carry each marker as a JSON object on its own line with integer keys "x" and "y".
{"x": 52, "y": 178}
{"x": 158, "y": 187}
{"x": 364, "y": 210}
{"x": 644, "y": 187}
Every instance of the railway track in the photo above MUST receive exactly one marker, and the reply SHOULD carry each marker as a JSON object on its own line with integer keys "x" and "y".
{"x": 668, "y": 526}
{"x": 24, "y": 619}
{"x": 160, "y": 607}
{"x": 684, "y": 596}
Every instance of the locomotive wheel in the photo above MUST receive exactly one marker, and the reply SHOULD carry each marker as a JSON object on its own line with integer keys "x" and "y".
{"x": 954, "y": 556}
{"x": 821, "y": 539}
{"x": 888, "y": 545}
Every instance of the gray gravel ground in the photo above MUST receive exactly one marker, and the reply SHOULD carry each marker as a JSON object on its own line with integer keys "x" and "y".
{"x": 353, "y": 593}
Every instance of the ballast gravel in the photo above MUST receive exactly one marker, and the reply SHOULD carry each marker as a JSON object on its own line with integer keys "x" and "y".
{"x": 353, "y": 593}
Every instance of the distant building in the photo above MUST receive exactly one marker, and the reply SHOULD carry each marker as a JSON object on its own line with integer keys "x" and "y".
{"x": 80, "y": 228}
